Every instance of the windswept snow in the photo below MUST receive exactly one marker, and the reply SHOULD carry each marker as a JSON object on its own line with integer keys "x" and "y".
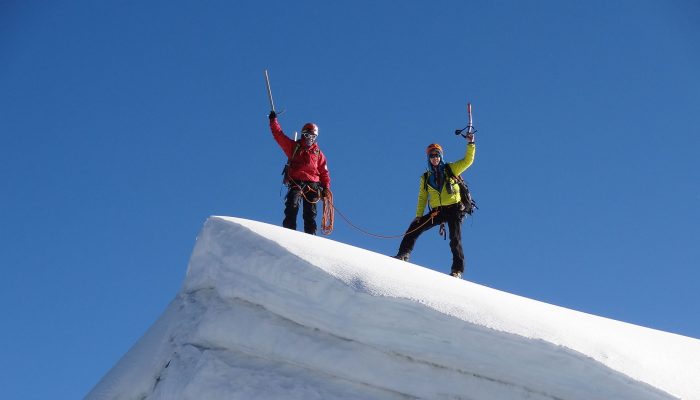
{"x": 269, "y": 313}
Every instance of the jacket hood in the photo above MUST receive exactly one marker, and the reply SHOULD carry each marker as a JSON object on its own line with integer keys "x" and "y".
{"x": 432, "y": 176}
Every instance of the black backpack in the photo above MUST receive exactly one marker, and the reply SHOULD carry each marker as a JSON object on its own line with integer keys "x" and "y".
{"x": 468, "y": 203}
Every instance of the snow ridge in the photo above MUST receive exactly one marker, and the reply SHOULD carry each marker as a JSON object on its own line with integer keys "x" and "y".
{"x": 270, "y": 313}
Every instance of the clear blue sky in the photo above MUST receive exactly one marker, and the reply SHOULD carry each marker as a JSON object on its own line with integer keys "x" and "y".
{"x": 125, "y": 124}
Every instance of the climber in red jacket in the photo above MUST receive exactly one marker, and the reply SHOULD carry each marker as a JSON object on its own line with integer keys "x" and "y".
{"x": 306, "y": 174}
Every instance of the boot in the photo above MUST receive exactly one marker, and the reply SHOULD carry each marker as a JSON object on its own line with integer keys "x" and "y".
{"x": 456, "y": 274}
{"x": 402, "y": 256}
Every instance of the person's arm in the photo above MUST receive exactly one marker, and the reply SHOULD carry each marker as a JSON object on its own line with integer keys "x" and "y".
{"x": 286, "y": 143}
{"x": 460, "y": 166}
{"x": 323, "y": 173}
{"x": 422, "y": 197}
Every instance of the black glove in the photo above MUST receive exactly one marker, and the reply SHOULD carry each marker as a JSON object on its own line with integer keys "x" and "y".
{"x": 324, "y": 191}
{"x": 272, "y": 115}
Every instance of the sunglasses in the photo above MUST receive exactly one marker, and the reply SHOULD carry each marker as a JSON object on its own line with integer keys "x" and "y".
{"x": 307, "y": 134}
{"x": 435, "y": 155}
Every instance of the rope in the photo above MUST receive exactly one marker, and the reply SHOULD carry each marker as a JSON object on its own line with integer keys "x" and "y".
{"x": 329, "y": 210}
{"x": 328, "y": 215}
{"x": 303, "y": 189}
{"x": 433, "y": 214}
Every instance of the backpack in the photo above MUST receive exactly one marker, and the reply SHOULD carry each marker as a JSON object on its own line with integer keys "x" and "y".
{"x": 466, "y": 200}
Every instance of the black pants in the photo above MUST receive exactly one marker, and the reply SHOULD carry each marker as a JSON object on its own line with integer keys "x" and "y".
{"x": 306, "y": 193}
{"x": 449, "y": 215}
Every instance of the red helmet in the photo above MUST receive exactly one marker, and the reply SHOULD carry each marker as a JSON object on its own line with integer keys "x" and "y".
{"x": 310, "y": 128}
{"x": 433, "y": 147}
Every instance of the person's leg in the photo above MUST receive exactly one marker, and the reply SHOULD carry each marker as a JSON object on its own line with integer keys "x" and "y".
{"x": 309, "y": 199}
{"x": 454, "y": 224}
{"x": 414, "y": 230}
{"x": 291, "y": 208}
{"x": 309, "y": 215}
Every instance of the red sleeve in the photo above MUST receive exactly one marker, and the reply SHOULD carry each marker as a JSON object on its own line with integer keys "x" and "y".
{"x": 323, "y": 174}
{"x": 286, "y": 143}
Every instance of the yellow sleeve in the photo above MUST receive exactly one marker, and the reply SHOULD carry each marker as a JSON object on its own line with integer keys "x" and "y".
{"x": 460, "y": 166}
{"x": 422, "y": 197}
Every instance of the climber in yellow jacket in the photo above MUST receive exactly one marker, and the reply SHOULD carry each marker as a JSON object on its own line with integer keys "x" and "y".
{"x": 439, "y": 189}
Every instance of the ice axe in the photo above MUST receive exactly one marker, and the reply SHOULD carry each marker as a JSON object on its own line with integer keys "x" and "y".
{"x": 269, "y": 94}
{"x": 269, "y": 91}
{"x": 470, "y": 126}
{"x": 272, "y": 103}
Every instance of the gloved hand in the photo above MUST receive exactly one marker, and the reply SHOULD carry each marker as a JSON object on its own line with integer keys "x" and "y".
{"x": 272, "y": 115}
{"x": 324, "y": 191}
{"x": 470, "y": 137}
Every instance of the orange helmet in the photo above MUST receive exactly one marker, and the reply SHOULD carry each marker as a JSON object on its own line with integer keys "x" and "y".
{"x": 434, "y": 147}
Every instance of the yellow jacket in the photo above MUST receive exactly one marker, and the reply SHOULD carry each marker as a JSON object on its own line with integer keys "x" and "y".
{"x": 443, "y": 198}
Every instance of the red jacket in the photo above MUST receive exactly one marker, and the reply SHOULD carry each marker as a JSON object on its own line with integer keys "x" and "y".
{"x": 309, "y": 164}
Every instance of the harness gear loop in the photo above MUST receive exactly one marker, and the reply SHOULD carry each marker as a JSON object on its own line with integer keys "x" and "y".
{"x": 316, "y": 194}
{"x": 305, "y": 188}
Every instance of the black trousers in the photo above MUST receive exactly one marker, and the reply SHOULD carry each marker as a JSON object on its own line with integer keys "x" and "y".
{"x": 306, "y": 193}
{"x": 452, "y": 217}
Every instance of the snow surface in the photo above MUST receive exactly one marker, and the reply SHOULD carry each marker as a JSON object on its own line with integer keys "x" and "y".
{"x": 269, "y": 313}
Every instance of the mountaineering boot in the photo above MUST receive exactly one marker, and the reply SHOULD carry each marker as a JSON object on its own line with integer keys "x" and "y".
{"x": 402, "y": 256}
{"x": 456, "y": 274}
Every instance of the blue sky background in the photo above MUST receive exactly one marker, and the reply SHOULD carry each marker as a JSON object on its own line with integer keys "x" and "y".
{"x": 125, "y": 124}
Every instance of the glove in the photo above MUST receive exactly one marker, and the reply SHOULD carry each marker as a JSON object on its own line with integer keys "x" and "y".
{"x": 471, "y": 138}
{"x": 272, "y": 115}
{"x": 324, "y": 191}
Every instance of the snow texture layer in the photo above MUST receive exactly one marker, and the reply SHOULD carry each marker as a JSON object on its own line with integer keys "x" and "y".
{"x": 269, "y": 313}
